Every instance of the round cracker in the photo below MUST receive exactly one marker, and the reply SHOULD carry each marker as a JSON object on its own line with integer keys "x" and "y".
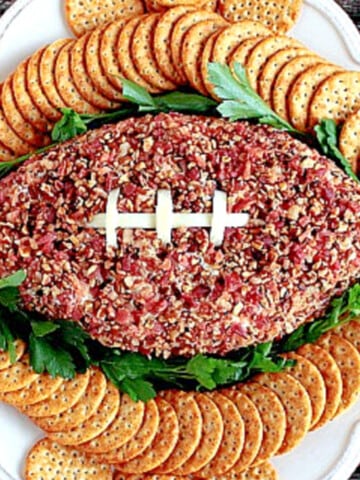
{"x": 5, "y": 153}
{"x": 47, "y": 72}
{"x": 351, "y": 332}
{"x": 93, "y": 59}
{"x": 69, "y": 393}
{"x": 94, "y": 425}
{"x": 5, "y": 361}
{"x": 24, "y": 101}
{"x": 272, "y": 67}
{"x": 232, "y": 441}
{"x": 302, "y": 92}
{"x": 253, "y": 429}
{"x": 279, "y": 16}
{"x": 310, "y": 378}
{"x": 142, "y": 52}
{"x": 193, "y": 47}
{"x": 140, "y": 442}
{"x": 337, "y": 97}
{"x": 349, "y": 141}
{"x": 347, "y": 359}
{"x": 124, "y": 56}
{"x": 82, "y": 80}
{"x": 179, "y": 31}
{"x": 272, "y": 415}
{"x": 211, "y": 435}
{"x": 285, "y": 79}
{"x": 83, "y": 17}
{"x": 332, "y": 378}
{"x": 297, "y": 405}
{"x": 175, "y": 3}
{"x": 40, "y": 389}
{"x": 204, "y": 82}
{"x": 17, "y": 375}
{"x": 66, "y": 86}
{"x": 10, "y": 139}
{"x": 127, "y": 423}
{"x": 161, "y": 447}
{"x": 49, "y": 461}
{"x": 16, "y": 121}
{"x": 35, "y": 90}
{"x": 242, "y": 51}
{"x": 262, "y": 52}
{"x": 82, "y": 410}
{"x": 190, "y": 427}
{"x": 162, "y": 35}
{"x": 153, "y": 6}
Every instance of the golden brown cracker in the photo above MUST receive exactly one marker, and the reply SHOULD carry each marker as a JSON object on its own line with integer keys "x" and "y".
{"x": 278, "y": 16}
{"x": 242, "y": 51}
{"x": 5, "y": 153}
{"x": 161, "y": 447}
{"x": 311, "y": 379}
{"x": 297, "y": 405}
{"x": 332, "y": 378}
{"x": 272, "y": 415}
{"x": 125, "y": 426}
{"x": 351, "y": 332}
{"x": 139, "y": 442}
{"x": 211, "y": 435}
{"x": 302, "y": 92}
{"x": 11, "y": 140}
{"x": 5, "y": 362}
{"x": 94, "y": 425}
{"x": 17, "y": 375}
{"x": 204, "y": 84}
{"x": 162, "y": 35}
{"x": 69, "y": 393}
{"x": 347, "y": 359}
{"x": 190, "y": 428}
{"x": 48, "y": 460}
{"x": 349, "y": 141}
{"x": 82, "y": 410}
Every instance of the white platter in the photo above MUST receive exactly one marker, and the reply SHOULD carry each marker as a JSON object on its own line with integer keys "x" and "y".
{"x": 331, "y": 453}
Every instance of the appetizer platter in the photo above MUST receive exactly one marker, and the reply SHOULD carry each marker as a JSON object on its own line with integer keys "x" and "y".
{"x": 179, "y": 253}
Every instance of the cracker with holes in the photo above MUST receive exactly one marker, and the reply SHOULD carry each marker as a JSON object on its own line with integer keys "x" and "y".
{"x": 203, "y": 84}
{"x": 351, "y": 332}
{"x": 50, "y": 461}
{"x": 5, "y": 361}
{"x": 17, "y": 375}
{"x": 10, "y": 140}
{"x": 6, "y": 153}
{"x": 87, "y": 15}
{"x": 279, "y": 16}
{"x": 349, "y": 141}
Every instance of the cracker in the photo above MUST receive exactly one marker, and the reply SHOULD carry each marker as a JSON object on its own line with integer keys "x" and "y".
{"x": 17, "y": 375}
{"x": 193, "y": 47}
{"x": 242, "y": 51}
{"x": 190, "y": 427}
{"x": 349, "y": 141}
{"x": 47, "y": 72}
{"x": 279, "y": 16}
{"x": 69, "y": 393}
{"x": 82, "y": 410}
{"x": 66, "y": 86}
{"x": 5, "y": 153}
{"x": 142, "y": 52}
{"x": 5, "y": 361}
{"x": 35, "y": 90}
{"x": 272, "y": 67}
{"x": 124, "y": 56}
{"x": 332, "y": 378}
{"x": 179, "y": 31}
{"x": 162, "y": 35}
{"x": 211, "y": 435}
{"x": 285, "y": 79}
{"x": 49, "y": 461}
{"x": 40, "y": 389}
{"x": 232, "y": 441}
{"x": 16, "y": 121}
{"x": 300, "y": 99}
{"x": 10, "y": 139}
{"x": 297, "y": 405}
{"x": 24, "y": 101}
{"x": 87, "y": 15}
{"x": 140, "y": 442}
{"x": 94, "y": 425}
{"x": 161, "y": 447}
{"x": 126, "y": 425}
{"x": 253, "y": 429}
{"x": 175, "y": 3}
{"x": 310, "y": 378}
{"x": 272, "y": 415}
{"x": 150, "y": 476}
{"x": 204, "y": 82}
{"x": 347, "y": 359}
{"x": 351, "y": 332}
{"x": 154, "y": 6}
{"x": 82, "y": 80}
{"x": 262, "y": 52}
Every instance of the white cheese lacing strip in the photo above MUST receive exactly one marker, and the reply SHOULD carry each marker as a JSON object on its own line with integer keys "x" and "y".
{"x": 164, "y": 219}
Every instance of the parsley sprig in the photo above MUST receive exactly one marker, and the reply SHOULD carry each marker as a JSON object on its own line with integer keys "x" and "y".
{"x": 62, "y": 348}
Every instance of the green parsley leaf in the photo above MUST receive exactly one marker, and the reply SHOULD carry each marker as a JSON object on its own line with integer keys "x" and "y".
{"x": 138, "y": 389}
{"x": 14, "y": 280}
{"x": 138, "y": 95}
{"x": 44, "y": 357}
{"x": 202, "y": 368}
{"x": 70, "y": 125}
{"x": 41, "y": 329}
